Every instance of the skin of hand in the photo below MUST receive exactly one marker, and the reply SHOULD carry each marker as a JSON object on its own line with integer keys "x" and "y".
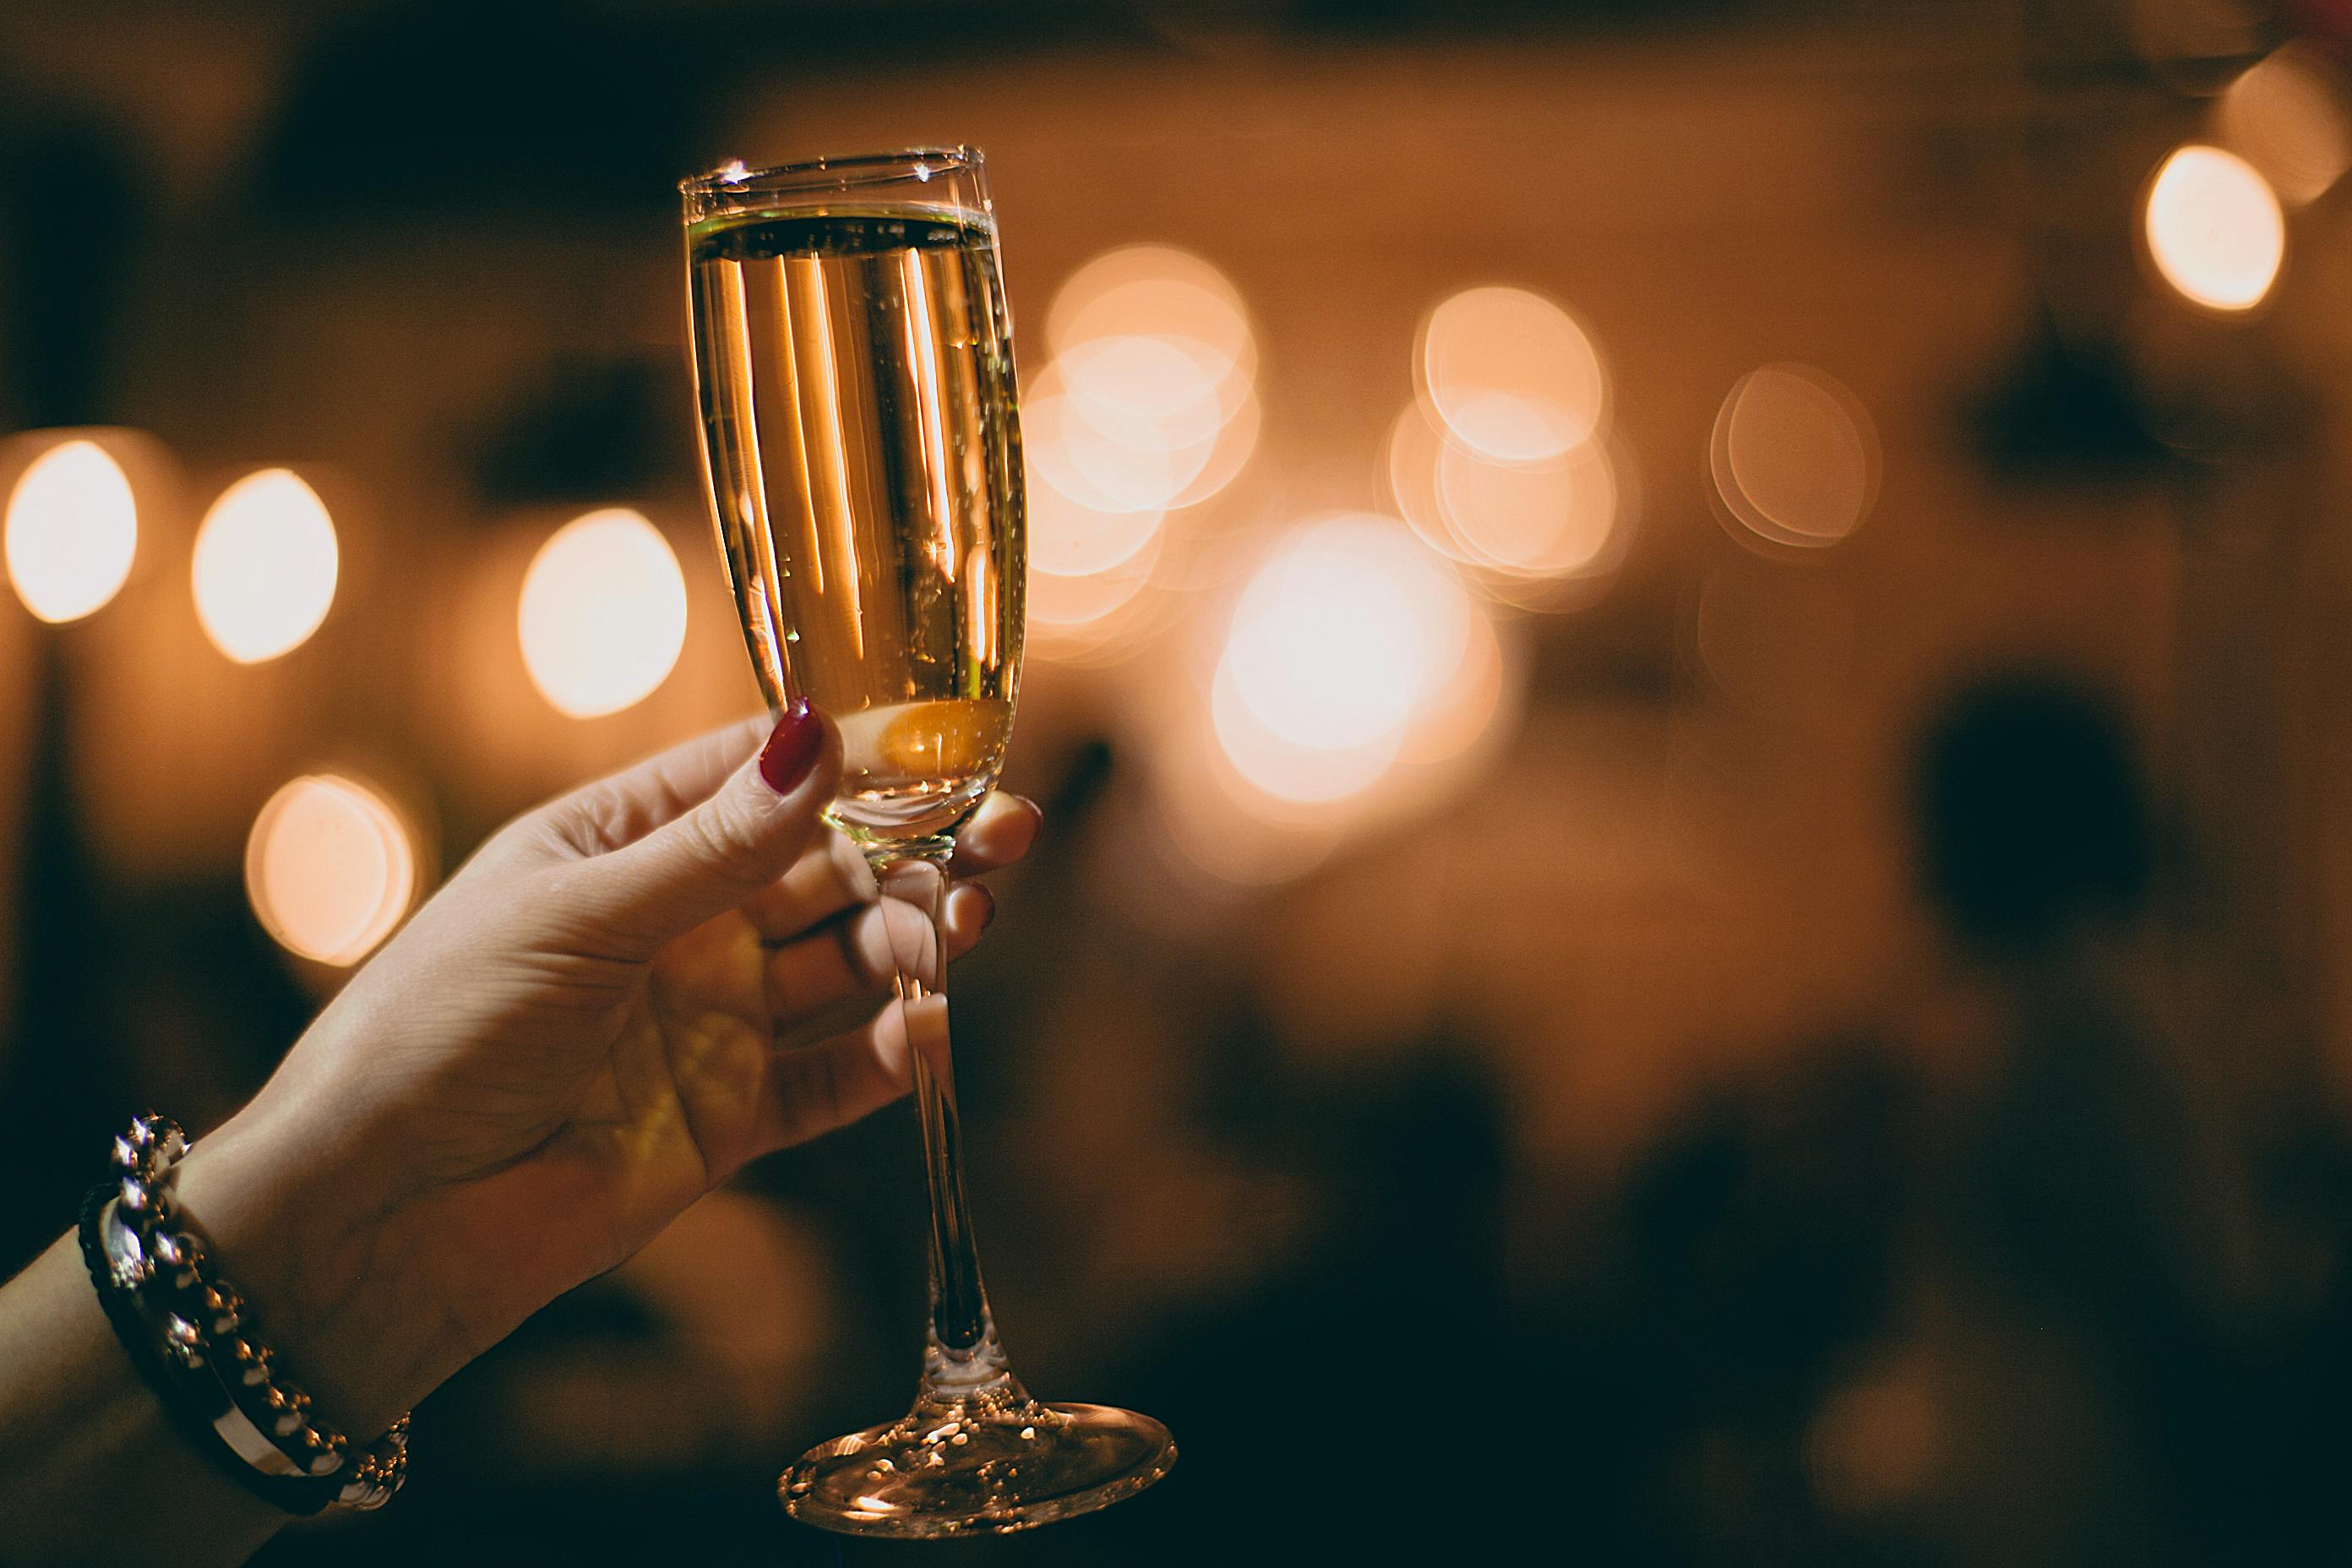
{"x": 593, "y": 1024}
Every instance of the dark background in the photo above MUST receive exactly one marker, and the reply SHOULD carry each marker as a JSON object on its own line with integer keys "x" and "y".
{"x": 1852, "y": 1071}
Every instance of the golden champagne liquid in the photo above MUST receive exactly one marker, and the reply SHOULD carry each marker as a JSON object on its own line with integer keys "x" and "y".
{"x": 860, "y": 430}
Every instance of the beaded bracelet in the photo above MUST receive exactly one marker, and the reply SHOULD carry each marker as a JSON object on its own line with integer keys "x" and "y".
{"x": 189, "y": 1331}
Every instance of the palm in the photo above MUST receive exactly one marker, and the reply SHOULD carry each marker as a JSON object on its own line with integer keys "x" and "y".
{"x": 600, "y": 1097}
{"x": 568, "y": 1064}
{"x": 605, "y": 1099}
{"x": 680, "y": 1099}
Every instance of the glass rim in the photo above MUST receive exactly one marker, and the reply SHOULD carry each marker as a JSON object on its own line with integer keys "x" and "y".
{"x": 848, "y": 171}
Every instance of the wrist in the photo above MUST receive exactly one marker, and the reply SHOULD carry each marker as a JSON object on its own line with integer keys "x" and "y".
{"x": 331, "y": 1265}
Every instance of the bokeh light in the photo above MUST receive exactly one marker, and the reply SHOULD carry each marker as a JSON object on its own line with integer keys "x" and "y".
{"x": 329, "y": 868}
{"x": 1148, "y": 390}
{"x": 1110, "y": 443}
{"x": 1530, "y": 533}
{"x": 1171, "y": 296}
{"x": 1510, "y": 374}
{"x": 1148, "y": 407}
{"x": 602, "y": 614}
{"x": 1093, "y": 618}
{"x": 1551, "y": 518}
{"x": 72, "y": 532}
{"x": 265, "y": 567}
{"x": 1409, "y": 461}
{"x": 2214, "y": 228}
{"x": 1116, "y": 495}
{"x": 1460, "y": 703}
{"x": 1149, "y": 404}
{"x": 1345, "y": 641}
{"x": 1794, "y": 457}
{"x": 2287, "y": 116}
{"x": 1878, "y": 1443}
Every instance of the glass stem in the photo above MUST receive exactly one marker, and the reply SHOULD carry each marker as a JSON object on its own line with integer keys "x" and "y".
{"x": 961, "y": 1357}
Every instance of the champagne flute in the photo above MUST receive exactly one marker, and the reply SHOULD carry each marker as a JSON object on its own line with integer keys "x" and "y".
{"x": 861, "y": 435}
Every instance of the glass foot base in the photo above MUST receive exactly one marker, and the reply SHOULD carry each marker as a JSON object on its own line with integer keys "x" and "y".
{"x": 976, "y": 1466}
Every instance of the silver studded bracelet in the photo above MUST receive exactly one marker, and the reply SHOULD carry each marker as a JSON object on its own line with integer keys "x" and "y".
{"x": 193, "y": 1338}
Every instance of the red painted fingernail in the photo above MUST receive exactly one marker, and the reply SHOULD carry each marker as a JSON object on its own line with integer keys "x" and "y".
{"x": 792, "y": 749}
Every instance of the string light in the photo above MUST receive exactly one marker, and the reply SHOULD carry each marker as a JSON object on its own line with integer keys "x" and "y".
{"x": 72, "y": 532}
{"x": 1070, "y": 455}
{"x": 2287, "y": 116}
{"x": 1149, "y": 404}
{"x": 1148, "y": 407}
{"x": 1509, "y": 375}
{"x": 1346, "y": 637}
{"x": 265, "y": 566}
{"x": 1540, "y": 534}
{"x": 1167, "y": 295}
{"x": 603, "y": 615}
{"x": 2214, "y": 229}
{"x": 329, "y": 868}
{"x": 1794, "y": 457}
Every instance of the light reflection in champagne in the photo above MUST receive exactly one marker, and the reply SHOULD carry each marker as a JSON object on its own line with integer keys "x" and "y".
{"x": 923, "y": 354}
{"x": 827, "y": 463}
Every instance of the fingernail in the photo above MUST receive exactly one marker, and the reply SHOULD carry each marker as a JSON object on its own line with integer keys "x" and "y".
{"x": 978, "y": 892}
{"x": 792, "y": 748}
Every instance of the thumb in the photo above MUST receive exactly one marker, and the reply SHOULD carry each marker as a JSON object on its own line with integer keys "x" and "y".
{"x": 722, "y": 852}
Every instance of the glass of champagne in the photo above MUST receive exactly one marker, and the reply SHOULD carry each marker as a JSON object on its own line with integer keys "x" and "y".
{"x": 861, "y": 434}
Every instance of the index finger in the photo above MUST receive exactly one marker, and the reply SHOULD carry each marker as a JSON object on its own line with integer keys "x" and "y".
{"x": 621, "y": 808}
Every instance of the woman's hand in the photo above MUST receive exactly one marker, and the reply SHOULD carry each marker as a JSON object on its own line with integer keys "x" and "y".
{"x": 623, "y": 997}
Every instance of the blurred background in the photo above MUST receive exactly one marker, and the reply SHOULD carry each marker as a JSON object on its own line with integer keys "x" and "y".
{"x": 1688, "y": 663}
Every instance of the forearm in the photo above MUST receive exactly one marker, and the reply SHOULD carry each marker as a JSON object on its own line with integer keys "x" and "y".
{"x": 333, "y": 1287}
{"x": 333, "y": 1270}
{"x": 87, "y": 1451}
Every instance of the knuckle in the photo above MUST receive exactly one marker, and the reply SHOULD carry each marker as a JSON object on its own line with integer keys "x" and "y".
{"x": 600, "y": 818}
{"x": 726, "y": 838}
{"x": 850, "y": 865}
{"x": 865, "y": 949}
